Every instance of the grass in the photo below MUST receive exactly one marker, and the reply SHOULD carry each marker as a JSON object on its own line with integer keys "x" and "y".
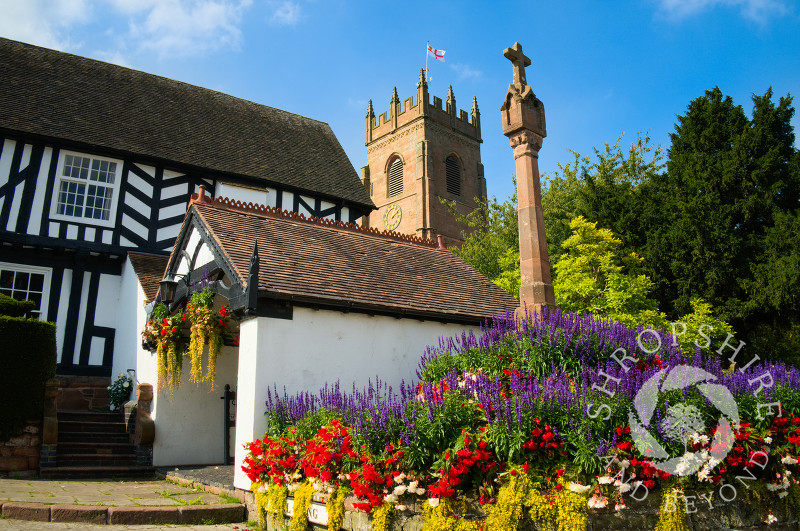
{"x": 227, "y": 498}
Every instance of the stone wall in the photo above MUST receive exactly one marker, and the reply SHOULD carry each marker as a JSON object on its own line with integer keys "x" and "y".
{"x": 638, "y": 516}
{"x": 83, "y": 393}
{"x": 19, "y": 456}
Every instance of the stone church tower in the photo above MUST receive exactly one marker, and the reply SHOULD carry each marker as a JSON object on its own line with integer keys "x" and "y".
{"x": 419, "y": 154}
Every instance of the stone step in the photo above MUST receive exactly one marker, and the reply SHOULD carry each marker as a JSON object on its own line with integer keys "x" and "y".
{"x": 93, "y": 437}
{"x": 90, "y": 416}
{"x": 97, "y": 472}
{"x": 73, "y": 426}
{"x": 104, "y": 447}
{"x": 96, "y": 459}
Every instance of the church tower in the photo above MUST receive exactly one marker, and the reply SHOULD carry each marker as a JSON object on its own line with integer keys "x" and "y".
{"x": 419, "y": 154}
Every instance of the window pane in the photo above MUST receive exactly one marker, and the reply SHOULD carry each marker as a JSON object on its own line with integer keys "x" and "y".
{"x": 21, "y": 281}
{"x": 36, "y": 282}
{"x": 6, "y": 279}
{"x": 37, "y": 298}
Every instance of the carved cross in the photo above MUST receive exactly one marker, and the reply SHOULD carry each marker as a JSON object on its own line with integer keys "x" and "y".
{"x": 519, "y": 61}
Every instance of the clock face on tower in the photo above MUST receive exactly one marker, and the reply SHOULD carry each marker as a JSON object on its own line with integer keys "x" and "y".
{"x": 392, "y": 216}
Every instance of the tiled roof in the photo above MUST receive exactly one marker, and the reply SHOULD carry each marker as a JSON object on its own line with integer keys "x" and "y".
{"x": 149, "y": 269}
{"x": 88, "y": 102}
{"x": 341, "y": 265}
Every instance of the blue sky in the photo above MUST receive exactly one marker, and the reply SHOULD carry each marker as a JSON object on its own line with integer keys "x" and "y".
{"x": 601, "y": 68}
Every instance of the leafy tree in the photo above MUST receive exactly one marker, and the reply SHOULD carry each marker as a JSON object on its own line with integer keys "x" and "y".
{"x": 728, "y": 180}
{"x": 509, "y": 278}
{"x": 493, "y": 232}
{"x": 593, "y": 275}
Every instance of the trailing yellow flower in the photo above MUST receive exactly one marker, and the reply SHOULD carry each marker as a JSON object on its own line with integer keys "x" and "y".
{"x": 671, "y": 515}
{"x": 276, "y": 503}
{"x": 262, "y": 501}
{"x": 302, "y": 501}
{"x": 335, "y": 507}
{"x": 444, "y": 518}
{"x": 507, "y": 513}
{"x": 208, "y": 328}
{"x": 542, "y": 509}
{"x": 571, "y": 508}
{"x": 382, "y": 517}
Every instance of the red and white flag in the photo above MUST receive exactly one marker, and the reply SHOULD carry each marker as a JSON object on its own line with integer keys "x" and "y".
{"x": 438, "y": 54}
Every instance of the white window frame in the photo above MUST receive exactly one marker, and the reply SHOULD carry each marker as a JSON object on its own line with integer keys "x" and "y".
{"x": 115, "y": 186}
{"x": 46, "y": 271}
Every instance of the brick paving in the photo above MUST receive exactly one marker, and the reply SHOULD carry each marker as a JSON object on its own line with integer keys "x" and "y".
{"x": 82, "y": 503}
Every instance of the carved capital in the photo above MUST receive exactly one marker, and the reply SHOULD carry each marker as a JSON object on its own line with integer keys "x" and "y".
{"x": 526, "y": 143}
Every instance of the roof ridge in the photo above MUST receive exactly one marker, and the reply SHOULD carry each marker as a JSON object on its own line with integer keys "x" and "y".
{"x": 201, "y": 198}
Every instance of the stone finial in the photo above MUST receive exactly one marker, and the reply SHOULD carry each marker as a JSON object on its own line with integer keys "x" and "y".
{"x": 519, "y": 61}
{"x": 451, "y": 101}
{"x": 422, "y": 81}
{"x": 395, "y": 98}
{"x": 370, "y": 112}
{"x": 475, "y": 111}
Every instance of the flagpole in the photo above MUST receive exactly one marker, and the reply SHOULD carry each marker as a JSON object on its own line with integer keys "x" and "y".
{"x": 426, "y": 58}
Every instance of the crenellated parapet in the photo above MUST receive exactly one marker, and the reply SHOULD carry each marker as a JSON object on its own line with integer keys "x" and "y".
{"x": 421, "y": 106}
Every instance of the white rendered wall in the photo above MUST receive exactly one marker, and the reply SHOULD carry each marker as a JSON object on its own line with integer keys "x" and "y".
{"x": 316, "y": 347}
{"x": 130, "y": 318}
{"x": 241, "y": 193}
{"x": 189, "y": 423}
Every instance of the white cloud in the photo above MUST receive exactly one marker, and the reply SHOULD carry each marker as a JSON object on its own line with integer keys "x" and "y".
{"x": 183, "y": 27}
{"x": 465, "y": 71}
{"x": 756, "y": 10}
{"x": 283, "y": 12}
{"x": 42, "y": 22}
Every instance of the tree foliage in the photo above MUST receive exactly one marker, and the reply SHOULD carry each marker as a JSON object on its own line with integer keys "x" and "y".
{"x": 714, "y": 225}
{"x": 729, "y": 181}
{"x": 594, "y": 275}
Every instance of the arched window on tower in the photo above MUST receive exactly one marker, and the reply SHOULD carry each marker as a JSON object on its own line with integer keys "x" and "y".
{"x": 396, "y": 177}
{"x": 453, "y": 173}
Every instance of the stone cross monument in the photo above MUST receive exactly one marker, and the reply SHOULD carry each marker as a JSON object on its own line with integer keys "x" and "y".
{"x": 524, "y": 125}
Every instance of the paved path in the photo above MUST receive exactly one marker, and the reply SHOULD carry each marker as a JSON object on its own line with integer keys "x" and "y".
{"x": 29, "y": 504}
{"x": 108, "y": 493}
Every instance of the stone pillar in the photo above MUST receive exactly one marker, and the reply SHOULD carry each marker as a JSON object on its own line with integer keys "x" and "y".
{"x": 47, "y": 454}
{"x": 145, "y": 430}
{"x": 524, "y": 125}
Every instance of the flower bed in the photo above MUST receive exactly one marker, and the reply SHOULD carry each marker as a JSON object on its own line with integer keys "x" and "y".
{"x": 540, "y": 421}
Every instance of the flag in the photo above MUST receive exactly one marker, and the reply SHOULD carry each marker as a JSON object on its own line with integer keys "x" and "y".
{"x": 438, "y": 54}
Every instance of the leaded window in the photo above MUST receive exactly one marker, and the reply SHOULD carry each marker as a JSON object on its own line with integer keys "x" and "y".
{"x": 86, "y": 188}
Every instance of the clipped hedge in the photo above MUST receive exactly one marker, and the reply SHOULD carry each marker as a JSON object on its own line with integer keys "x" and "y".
{"x": 15, "y": 308}
{"x": 27, "y": 361}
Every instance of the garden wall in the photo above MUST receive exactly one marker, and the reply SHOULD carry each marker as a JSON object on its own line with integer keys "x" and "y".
{"x": 19, "y": 455}
{"x": 637, "y": 517}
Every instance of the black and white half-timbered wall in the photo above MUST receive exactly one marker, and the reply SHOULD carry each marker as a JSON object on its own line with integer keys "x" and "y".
{"x": 97, "y": 160}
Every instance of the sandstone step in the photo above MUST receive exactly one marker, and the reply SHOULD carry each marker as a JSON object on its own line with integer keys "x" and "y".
{"x": 93, "y": 437}
{"x": 90, "y": 416}
{"x": 96, "y": 459}
{"x": 74, "y": 426}
{"x": 97, "y": 472}
{"x": 104, "y": 447}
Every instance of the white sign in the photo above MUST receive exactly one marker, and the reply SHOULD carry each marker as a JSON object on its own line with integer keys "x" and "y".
{"x": 317, "y": 512}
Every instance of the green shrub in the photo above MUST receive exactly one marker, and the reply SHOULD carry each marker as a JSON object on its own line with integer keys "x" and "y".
{"x": 15, "y": 308}
{"x": 27, "y": 361}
